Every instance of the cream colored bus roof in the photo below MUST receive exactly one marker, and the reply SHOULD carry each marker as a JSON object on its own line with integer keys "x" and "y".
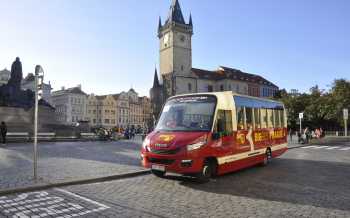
{"x": 225, "y": 95}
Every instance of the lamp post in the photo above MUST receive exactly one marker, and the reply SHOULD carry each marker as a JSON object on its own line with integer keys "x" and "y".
{"x": 301, "y": 116}
{"x": 39, "y": 77}
{"x": 346, "y": 116}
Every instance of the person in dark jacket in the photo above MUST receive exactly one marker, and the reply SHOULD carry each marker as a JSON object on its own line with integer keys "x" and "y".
{"x": 3, "y": 130}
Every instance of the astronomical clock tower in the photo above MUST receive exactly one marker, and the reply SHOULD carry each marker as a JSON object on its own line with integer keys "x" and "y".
{"x": 175, "y": 57}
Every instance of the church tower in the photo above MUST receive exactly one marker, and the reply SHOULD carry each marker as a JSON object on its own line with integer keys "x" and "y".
{"x": 175, "y": 52}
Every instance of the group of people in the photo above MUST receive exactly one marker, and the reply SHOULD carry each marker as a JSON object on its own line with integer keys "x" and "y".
{"x": 127, "y": 133}
{"x": 306, "y": 135}
{"x": 3, "y": 130}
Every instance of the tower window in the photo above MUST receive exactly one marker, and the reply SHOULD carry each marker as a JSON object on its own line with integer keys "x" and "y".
{"x": 189, "y": 87}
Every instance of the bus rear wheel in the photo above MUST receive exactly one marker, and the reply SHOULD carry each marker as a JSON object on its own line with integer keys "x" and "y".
{"x": 267, "y": 157}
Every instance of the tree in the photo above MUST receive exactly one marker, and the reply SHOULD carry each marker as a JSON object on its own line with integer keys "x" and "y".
{"x": 321, "y": 108}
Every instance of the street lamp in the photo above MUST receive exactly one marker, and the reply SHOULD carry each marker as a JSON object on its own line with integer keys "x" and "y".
{"x": 39, "y": 78}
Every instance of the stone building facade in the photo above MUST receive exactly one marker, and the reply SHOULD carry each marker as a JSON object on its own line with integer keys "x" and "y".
{"x": 177, "y": 76}
{"x": 70, "y": 105}
{"x": 29, "y": 83}
{"x": 123, "y": 110}
{"x": 4, "y": 76}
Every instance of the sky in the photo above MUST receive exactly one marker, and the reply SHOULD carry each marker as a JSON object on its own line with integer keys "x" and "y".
{"x": 109, "y": 46}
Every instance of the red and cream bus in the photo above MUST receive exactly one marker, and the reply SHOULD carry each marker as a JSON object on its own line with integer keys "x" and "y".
{"x": 215, "y": 133}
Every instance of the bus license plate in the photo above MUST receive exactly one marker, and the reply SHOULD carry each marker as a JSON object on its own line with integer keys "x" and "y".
{"x": 158, "y": 167}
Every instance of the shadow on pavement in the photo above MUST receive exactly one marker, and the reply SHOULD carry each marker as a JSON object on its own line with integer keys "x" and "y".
{"x": 315, "y": 183}
{"x": 125, "y": 153}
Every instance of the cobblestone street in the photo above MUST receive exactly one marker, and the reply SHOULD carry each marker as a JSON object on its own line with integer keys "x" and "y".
{"x": 66, "y": 161}
{"x": 304, "y": 182}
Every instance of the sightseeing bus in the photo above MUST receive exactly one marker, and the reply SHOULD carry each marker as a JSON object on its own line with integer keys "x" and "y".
{"x": 210, "y": 134}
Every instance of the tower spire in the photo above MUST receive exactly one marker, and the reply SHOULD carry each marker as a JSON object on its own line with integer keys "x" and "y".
{"x": 175, "y": 13}
{"x": 156, "y": 80}
{"x": 190, "y": 23}
{"x": 160, "y": 23}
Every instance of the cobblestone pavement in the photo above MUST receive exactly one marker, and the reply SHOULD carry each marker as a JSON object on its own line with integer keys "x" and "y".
{"x": 301, "y": 183}
{"x": 66, "y": 161}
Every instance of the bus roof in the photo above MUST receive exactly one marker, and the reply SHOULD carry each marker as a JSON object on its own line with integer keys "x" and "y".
{"x": 229, "y": 94}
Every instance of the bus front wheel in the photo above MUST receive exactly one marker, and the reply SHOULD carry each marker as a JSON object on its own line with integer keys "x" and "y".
{"x": 207, "y": 172}
{"x": 157, "y": 173}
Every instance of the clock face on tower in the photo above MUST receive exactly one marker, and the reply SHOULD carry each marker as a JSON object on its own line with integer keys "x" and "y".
{"x": 166, "y": 39}
{"x": 182, "y": 38}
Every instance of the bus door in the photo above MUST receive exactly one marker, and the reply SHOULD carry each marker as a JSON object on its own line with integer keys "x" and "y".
{"x": 241, "y": 142}
{"x": 223, "y": 131}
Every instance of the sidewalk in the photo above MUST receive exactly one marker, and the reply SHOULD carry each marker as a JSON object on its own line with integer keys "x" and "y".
{"x": 66, "y": 161}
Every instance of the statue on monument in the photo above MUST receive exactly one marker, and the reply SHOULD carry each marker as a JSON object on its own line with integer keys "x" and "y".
{"x": 16, "y": 74}
{"x": 11, "y": 94}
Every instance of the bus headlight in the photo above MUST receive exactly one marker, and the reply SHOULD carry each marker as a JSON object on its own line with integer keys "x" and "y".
{"x": 196, "y": 145}
{"x": 146, "y": 143}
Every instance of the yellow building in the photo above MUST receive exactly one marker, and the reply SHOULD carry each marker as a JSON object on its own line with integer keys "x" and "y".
{"x": 125, "y": 109}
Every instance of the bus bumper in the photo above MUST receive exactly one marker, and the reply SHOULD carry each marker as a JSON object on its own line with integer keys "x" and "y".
{"x": 180, "y": 164}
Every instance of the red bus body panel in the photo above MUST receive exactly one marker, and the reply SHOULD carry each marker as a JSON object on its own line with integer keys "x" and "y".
{"x": 232, "y": 152}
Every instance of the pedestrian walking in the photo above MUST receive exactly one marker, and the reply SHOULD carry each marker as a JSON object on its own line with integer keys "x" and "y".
{"x": 3, "y": 130}
{"x": 291, "y": 135}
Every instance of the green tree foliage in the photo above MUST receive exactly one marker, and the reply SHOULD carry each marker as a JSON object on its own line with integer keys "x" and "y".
{"x": 321, "y": 108}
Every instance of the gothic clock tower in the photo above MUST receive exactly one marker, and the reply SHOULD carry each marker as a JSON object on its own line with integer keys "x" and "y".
{"x": 175, "y": 52}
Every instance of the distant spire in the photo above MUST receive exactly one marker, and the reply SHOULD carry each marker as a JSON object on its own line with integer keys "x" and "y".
{"x": 175, "y": 13}
{"x": 190, "y": 23}
{"x": 156, "y": 80}
{"x": 160, "y": 23}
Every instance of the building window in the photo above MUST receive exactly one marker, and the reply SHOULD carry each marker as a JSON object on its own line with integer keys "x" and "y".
{"x": 182, "y": 67}
{"x": 221, "y": 87}
{"x": 189, "y": 87}
{"x": 94, "y": 120}
{"x": 210, "y": 88}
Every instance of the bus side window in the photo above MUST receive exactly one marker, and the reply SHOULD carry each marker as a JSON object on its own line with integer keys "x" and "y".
{"x": 282, "y": 117}
{"x": 249, "y": 117}
{"x": 223, "y": 122}
{"x": 277, "y": 118}
{"x": 264, "y": 117}
{"x": 270, "y": 118}
{"x": 257, "y": 118}
{"x": 240, "y": 118}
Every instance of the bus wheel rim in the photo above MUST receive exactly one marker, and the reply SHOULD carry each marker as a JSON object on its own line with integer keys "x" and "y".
{"x": 205, "y": 170}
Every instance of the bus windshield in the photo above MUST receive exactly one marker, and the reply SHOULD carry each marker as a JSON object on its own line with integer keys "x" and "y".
{"x": 189, "y": 113}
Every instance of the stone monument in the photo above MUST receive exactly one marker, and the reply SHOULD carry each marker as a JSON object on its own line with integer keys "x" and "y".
{"x": 11, "y": 94}
{"x": 17, "y": 105}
